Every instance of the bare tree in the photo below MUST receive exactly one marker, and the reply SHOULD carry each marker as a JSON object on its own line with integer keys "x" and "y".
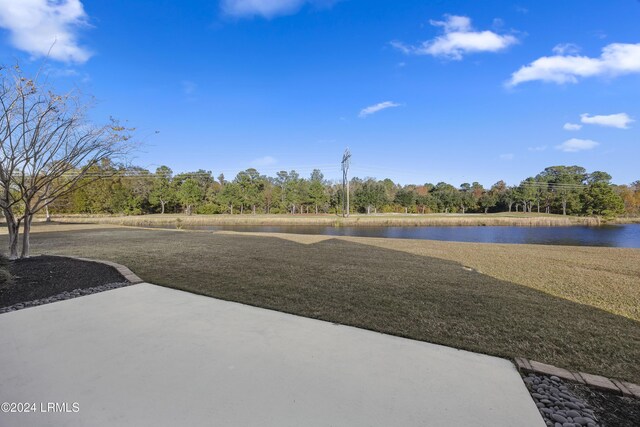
{"x": 48, "y": 146}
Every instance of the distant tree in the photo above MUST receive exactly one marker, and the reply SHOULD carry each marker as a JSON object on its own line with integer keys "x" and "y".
{"x": 567, "y": 183}
{"x": 630, "y": 195}
{"x": 465, "y": 197}
{"x": 488, "y": 200}
{"x": 424, "y": 199}
{"x": 190, "y": 194}
{"x": 230, "y": 196}
{"x": 293, "y": 193}
{"x": 598, "y": 176}
{"x": 477, "y": 191}
{"x": 528, "y": 192}
{"x": 499, "y": 189}
{"x": 317, "y": 190}
{"x": 370, "y": 194}
{"x": 281, "y": 180}
{"x": 137, "y": 184}
{"x": 250, "y": 185}
{"x": 599, "y": 198}
{"x": 406, "y": 198}
{"x": 509, "y": 197}
{"x": 447, "y": 196}
{"x": 162, "y": 192}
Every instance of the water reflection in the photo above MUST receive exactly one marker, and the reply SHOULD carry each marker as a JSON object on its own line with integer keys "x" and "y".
{"x": 627, "y": 235}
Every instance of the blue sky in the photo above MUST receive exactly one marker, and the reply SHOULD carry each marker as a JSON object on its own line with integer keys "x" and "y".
{"x": 419, "y": 91}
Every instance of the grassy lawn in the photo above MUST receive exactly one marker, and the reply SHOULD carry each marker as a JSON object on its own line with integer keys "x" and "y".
{"x": 573, "y": 307}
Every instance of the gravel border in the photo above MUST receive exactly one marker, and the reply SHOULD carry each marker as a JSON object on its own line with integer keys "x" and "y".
{"x": 612, "y": 385}
{"x": 558, "y": 406}
{"x": 64, "y": 296}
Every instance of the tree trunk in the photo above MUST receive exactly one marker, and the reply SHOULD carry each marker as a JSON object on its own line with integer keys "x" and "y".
{"x": 316, "y": 209}
{"x": 406, "y": 210}
{"x": 564, "y": 207}
{"x": 538, "y": 206}
{"x": 510, "y": 205}
{"x": 231, "y": 209}
{"x": 14, "y": 234}
{"x": 14, "y": 231}
{"x": 486, "y": 211}
{"x": 26, "y": 232}
{"x": 48, "y": 216}
{"x": 254, "y": 209}
{"x": 241, "y": 209}
{"x": 162, "y": 203}
{"x": 368, "y": 210}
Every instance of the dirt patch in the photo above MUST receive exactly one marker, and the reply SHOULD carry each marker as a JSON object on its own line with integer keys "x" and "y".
{"x": 44, "y": 276}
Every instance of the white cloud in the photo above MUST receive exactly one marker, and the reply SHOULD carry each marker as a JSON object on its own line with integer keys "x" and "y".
{"x": 566, "y": 49}
{"x": 268, "y": 8}
{"x": 46, "y": 27}
{"x": 574, "y": 144}
{"x": 538, "y": 148}
{"x": 377, "y": 107}
{"x": 508, "y": 156}
{"x": 571, "y": 126}
{"x": 620, "y": 120}
{"x": 616, "y": 59}
{"x": 264, "y": 161}
{"x": 459, "y": 38}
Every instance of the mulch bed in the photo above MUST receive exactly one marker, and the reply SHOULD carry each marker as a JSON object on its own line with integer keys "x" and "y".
{"x": 45, "y": 276}
{"x": 611, "y": 409}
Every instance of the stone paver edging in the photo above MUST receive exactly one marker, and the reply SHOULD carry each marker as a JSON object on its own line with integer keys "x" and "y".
{"x": 619, "y": 387}
{"x": 129, "y": 275}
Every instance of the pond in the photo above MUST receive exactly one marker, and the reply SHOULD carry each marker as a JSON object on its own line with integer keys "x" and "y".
{"x": 623, "y": 236}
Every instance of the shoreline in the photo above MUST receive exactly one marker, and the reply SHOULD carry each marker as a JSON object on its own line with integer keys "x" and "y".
{"x": 380, "y": 220}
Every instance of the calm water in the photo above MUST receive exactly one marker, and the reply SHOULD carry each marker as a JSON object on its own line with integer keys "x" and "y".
{"x": 624, "y": 236}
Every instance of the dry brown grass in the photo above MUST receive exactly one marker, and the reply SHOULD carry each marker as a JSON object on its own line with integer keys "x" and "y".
{"x": 627, "y": 220}
{"x": 571, "y": 307}
{"x": 397, "y": 220}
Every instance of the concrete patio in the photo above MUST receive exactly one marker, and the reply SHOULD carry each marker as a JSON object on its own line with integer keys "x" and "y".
{"x": 145, "y": 355}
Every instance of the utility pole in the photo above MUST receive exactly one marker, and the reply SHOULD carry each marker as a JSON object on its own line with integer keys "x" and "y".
{"x": 346, "y": 159}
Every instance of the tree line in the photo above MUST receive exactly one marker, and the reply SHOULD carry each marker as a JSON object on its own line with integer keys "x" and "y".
{"x": 568, "y": 190}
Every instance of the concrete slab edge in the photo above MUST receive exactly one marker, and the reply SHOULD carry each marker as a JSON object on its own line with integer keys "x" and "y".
{"x": 613, "y": 385}
{"x": 129, "y": 275}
